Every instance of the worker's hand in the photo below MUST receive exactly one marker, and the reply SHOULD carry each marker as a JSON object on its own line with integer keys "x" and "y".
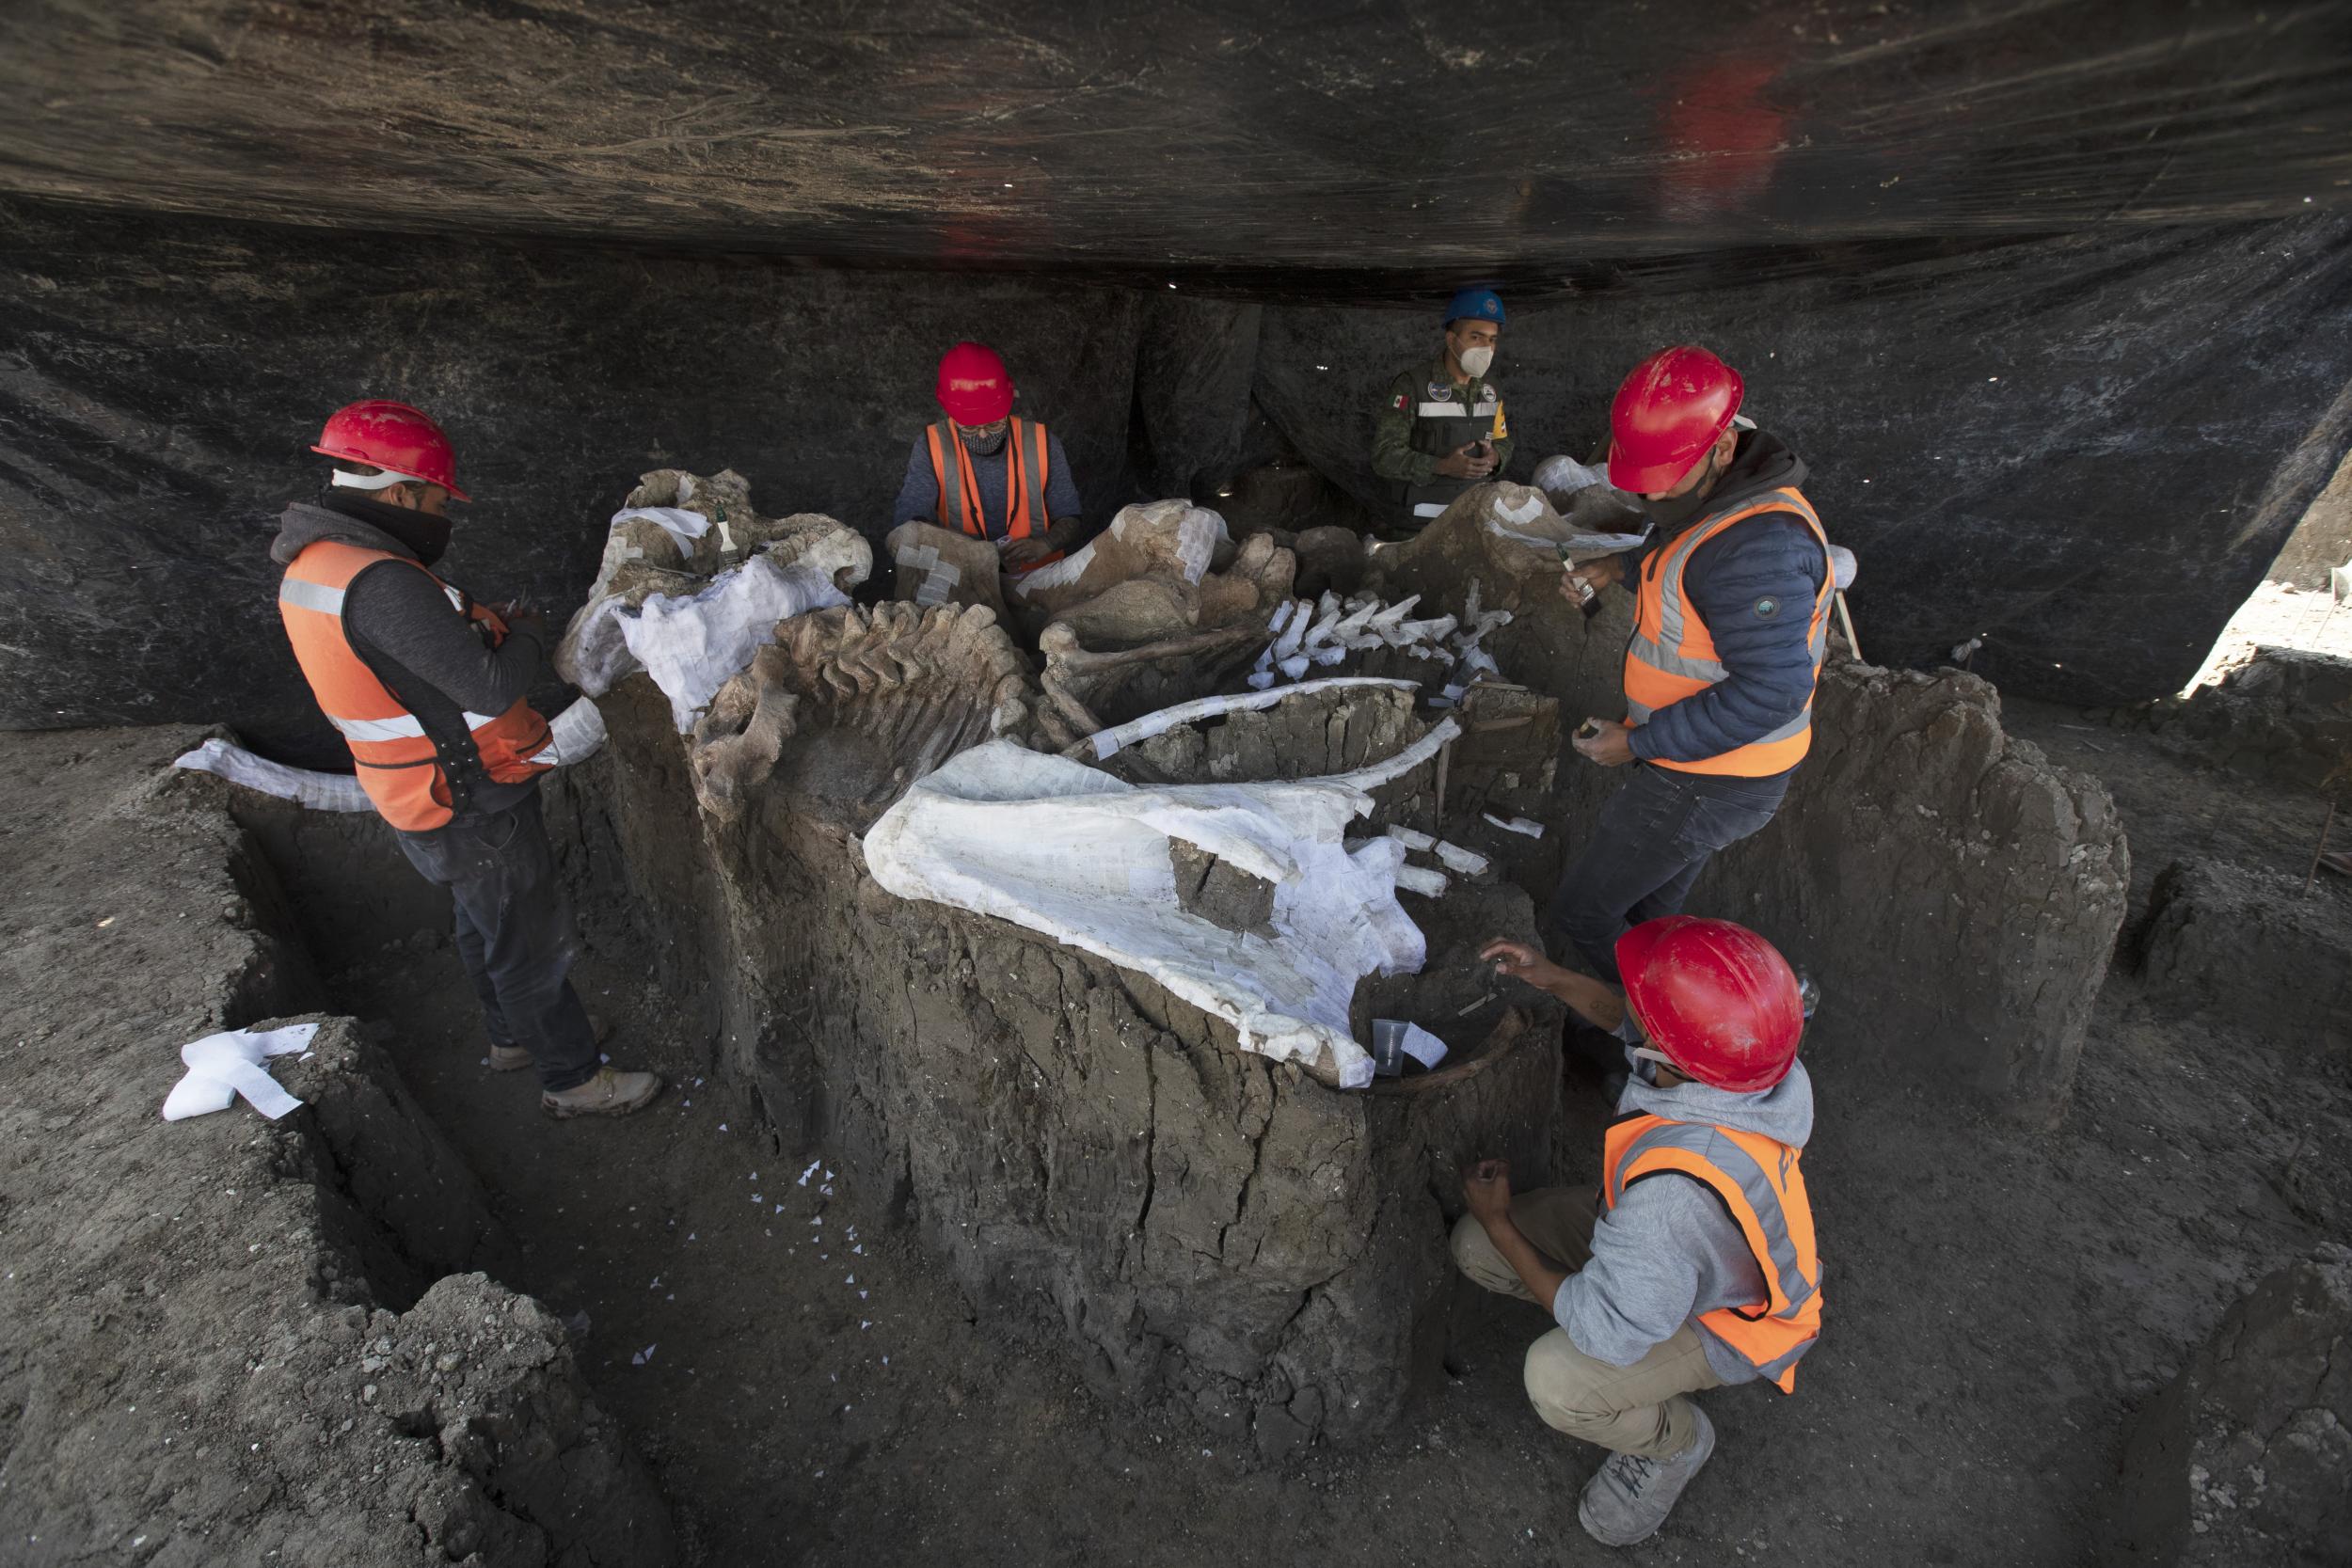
{"x": 1470, "y": 460}
{"x": 1610, "y": 744}
{"x": 1486, "y": 1192}
{"x": 1594, "y": 574}
{"x": 516, "y": 613}
{"x": 1024, "y": 553}
{"x": 1517, "y": 960}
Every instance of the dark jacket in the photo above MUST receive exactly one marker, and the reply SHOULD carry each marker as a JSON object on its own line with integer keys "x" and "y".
{"x": 406, "y": 631}
{"x": 1774, "y": 557}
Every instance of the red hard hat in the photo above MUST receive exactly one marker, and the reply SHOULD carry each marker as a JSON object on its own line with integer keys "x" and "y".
{"x": 1716, "y": 999}
{"x": 973, "y": 386}
{"x": 393, "y": 436}
{"x": 1667, "y": 413}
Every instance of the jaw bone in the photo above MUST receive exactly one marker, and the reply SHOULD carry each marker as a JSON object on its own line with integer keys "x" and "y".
{"x": 872, "y": 700}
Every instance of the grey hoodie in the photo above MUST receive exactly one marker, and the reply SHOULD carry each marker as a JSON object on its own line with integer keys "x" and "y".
{"x": 1668, "y": 1251}
{"x": 403, "y": 628}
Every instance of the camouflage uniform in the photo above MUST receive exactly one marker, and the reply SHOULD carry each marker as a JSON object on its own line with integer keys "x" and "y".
{"x": 1425, "y": 417}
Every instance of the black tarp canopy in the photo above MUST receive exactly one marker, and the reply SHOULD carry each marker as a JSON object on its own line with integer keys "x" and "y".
{"x": 2056, "y": 298}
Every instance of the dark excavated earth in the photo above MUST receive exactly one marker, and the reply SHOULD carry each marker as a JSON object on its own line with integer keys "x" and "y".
{"x": 807, "y": 1387}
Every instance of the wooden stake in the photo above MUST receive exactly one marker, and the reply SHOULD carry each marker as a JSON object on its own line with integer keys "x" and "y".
{"x": 1845, "y": 620}
{"x": 2321, "y": 853}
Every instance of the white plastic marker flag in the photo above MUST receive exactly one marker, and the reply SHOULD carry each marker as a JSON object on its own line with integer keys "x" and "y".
{"x": 222, "y": 1066}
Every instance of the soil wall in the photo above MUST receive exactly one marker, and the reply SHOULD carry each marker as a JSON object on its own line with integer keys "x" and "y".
{"x": 233, "y": 1339}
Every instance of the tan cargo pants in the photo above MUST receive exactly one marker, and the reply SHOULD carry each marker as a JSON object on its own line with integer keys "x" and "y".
{"x": 1639, "y": 1409}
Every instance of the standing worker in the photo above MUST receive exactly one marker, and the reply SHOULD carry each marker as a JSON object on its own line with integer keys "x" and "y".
{"x": 1693, "y": 1265}
{"x": 1729, "y": 633}
{"x": 426, "y": 686}
{"x": 1026, "y": 502}
{"x": 1442, "y": 429}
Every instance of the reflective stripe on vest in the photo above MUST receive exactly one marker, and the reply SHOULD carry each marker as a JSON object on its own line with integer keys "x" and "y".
{"x": 1025, "y": 473}
{"x": 400, "y": 765}
{"x": 1762, "y": 1188}
{"x": 1475, "y": 410}
{"x": 1670, "y": 653}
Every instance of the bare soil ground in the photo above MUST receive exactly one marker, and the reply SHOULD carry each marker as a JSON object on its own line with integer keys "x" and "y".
{"x": 809, "y": 1391}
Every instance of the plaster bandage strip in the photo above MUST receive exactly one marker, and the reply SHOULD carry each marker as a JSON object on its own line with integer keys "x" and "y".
{"x": 318, "y": 791}
{"x": 1108, "y": 742}
{"x": 573, "y": 735}
{"x": 1515, "y": 825}
{"x": 682, "y": 526}
{"x": 1469, "y": 863}
{"x": 222, "y": 1066}
{"x": 1067, "y": 850}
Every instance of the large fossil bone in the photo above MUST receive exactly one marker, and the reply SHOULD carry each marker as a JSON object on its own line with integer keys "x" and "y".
{"x": 854, "y": 705}
{"x": 687, "y": 541}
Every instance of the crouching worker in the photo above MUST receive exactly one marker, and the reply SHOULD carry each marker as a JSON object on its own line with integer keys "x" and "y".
{"x": 426, "y": 686}
{"x": 986, "y": 472}
{"x": 1693, "y": 1264}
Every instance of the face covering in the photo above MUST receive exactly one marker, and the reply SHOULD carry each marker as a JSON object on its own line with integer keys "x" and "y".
{"x": 984, "y": 442}
{"x": 1476, "y": 360}
{"x": 426, "y": 535}
{"x": 1678, "y": 512}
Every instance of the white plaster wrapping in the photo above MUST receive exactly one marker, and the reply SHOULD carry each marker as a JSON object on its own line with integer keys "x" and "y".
{"x": 693, "y": 646}
{"x": 682, "y": 526}
{"x": 1108, "y": 742}
{"x": 1066, "y": 849}
{"x": 318, "y": 791}
{"x": 573, "y": 735}
{"x": 222, "y": 1066}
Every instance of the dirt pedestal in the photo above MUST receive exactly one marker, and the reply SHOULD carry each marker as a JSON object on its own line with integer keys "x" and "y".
{"x": 1094, "y": 1160}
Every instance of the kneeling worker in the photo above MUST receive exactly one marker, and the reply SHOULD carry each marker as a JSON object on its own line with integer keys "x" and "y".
{"x": 1441, "y": 428}
{"x": 426, "y": 686}
{"x": 1693, "y": 1265}
{"x": 1026, "y": 502}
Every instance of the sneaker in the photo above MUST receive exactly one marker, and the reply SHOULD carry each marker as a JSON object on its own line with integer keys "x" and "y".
{"x": 609, "y": 1093}
{"x": 1630, "y": 1497}
{"x": 510, "y": 1058}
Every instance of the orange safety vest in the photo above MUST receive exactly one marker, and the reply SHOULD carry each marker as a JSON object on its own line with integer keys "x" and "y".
{"x": 1026, "y": 469}
{"x": 1761, "y": 1188}
{"x": 403, "y": 771}
{"x": 1671, "y": 653}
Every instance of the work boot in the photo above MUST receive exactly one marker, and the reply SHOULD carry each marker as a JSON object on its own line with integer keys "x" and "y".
{"x": 508, "y": 1058}
{"x": 609, "y": 1093}
{"x": 1629, "y": 1498}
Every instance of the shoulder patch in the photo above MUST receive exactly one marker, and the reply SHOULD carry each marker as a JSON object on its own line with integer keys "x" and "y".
{"x": 1399, "y": 401}
{"x": 1767, "y": 608}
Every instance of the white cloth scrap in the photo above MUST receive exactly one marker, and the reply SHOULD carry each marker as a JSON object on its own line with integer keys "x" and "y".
{"x": 1068, "y": 850}
{"x": 222, "y": 1066}
{"x": 693, "y": 644}
{"x": 1514, "y": 824}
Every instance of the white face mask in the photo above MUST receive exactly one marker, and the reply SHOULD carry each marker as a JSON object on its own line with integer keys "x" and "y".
{"x": 1476, "y": 360}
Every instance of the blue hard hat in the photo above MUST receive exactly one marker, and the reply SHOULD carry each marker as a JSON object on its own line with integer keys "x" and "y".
{"x": 1481, "y": 304}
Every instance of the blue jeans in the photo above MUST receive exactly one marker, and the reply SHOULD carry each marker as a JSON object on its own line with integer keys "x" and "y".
{"x": 1647, "y": 847}
{"x": 514, "y": 934}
